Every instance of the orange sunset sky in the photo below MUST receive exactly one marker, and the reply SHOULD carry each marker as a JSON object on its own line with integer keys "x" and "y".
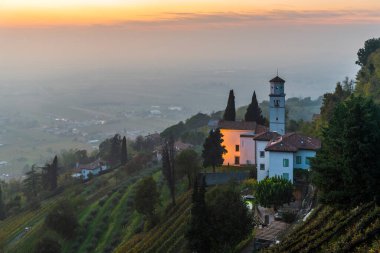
{"x": 87, "y": 12}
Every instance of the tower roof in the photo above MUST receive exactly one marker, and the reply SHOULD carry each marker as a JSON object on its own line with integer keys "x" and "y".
{"x": 277, "y": 79}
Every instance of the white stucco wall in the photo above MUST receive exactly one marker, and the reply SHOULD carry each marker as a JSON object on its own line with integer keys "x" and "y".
{"x": 262, "y": 174}
{"x": 276, "y": 164}
{"x": 247, "y": 150}
{"x": 303, "y": 154}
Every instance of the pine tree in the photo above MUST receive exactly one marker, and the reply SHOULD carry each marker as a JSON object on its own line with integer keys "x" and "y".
{"x": 254, "y": 112}
{"x": 213, "y": 150}
{"x": 230, "y": 113}
{"x": 168, "y": 156}
{"x": 124, "y": 151}
{"x": 2, "y": 206}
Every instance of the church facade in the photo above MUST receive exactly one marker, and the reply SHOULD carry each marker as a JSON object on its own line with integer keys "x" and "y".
{"x": 272, "y": 150}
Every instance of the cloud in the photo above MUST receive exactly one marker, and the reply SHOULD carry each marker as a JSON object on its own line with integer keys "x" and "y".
{"x": 222, "y": 19}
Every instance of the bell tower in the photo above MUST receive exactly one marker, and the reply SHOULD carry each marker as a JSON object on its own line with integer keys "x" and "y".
{"x": 277, "y": 105}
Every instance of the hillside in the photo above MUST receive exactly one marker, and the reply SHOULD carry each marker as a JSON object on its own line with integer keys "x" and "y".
{"x": 167, "y": 236}
{"x": 328, "y": 229}
{"x": 105, "y": 212}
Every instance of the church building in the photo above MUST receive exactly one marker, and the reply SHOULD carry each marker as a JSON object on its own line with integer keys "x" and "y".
{"x": 272, "y": 150}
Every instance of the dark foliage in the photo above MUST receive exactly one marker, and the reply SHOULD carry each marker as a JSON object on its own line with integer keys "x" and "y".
{"x": 124, "y": 155}
{"x": 110, "y": 149}
{"x": 168, "y": 163}
{"x": 229, "y": 219}
{"x": 197, "y": 234}
{"x": 47, "y": 245}
{"x": 187, "y": 164}
{"x": 230, "y": 112}
{"x": 146, "y": 197}
{"x": 370, "y": 46}
{"x": 330, "y": 100}
{"x": 32, "y": 183}
{"x": 174, "y": 131}
{"x": 213, "y": 150}
{"x": 50, "y": 175}
{"x": 254, "y": 112}
{"x": 345, "y": 170}
{"x": 62, "y": 219}
{"x": 2, "y": 206}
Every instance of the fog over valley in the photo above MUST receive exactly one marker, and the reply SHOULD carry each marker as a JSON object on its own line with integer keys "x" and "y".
{"x": 66, "y": 87}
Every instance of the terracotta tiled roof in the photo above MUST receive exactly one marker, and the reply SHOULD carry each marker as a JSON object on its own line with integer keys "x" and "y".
{"x": 266, "y": 136}
{"x": 292, "y": 142}
{"x": 241, "y": 125}
{"x": 277, "y": 79}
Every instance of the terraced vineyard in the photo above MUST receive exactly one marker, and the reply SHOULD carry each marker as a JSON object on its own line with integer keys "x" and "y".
{"x": 105, "y": 212}
{"x": 331, "y": 230}
{"x": 167, "y": 236}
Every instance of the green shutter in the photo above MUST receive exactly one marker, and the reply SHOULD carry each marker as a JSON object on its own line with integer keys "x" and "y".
{"x": 298, "y": 159}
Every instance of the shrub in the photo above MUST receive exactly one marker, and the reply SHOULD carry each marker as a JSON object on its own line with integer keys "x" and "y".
{"x": 47, "y": 245}
{"x": 62, "y": 219}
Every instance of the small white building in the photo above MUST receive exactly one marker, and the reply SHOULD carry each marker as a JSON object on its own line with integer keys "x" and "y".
{"x": 94, "y": 168}
{"x": 288, "y": 152}
{"x": 262, "y": 156}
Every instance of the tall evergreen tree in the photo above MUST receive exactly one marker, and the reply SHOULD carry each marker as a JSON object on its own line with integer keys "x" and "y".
{"x": 168, "y": 156}
{"x": 254, "y": 112}
{"x": 213, "y": 150}
{"x": 230, "y": 112}
{"x": 50, "y": 175}
{"x": 197, "y": 234}
{"x": 124, "y": 156}
{"x": 54, "y": 174}
{"x": 345, "y": 170}
{"x": 2, "y": 206}
{"x": 115, "y": 153}
{"x": 32, "y": 183}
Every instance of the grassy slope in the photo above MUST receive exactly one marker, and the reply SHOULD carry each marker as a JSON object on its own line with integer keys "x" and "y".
{"x": 331, "y": 230}
{"x": 167, "y": 236}
{"x": 105, "y": 212}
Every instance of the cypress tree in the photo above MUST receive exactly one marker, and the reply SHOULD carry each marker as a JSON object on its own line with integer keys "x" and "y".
{"x": 54, "y": 174}
{"x": 254, "y": 112}
{"x": 2, "y": 206}
{"x": 213, "y": 150}
{"x": 124, "y": 151}
{"x": 168, "y": 155}
{"x": 230, "y": 113}
{"x": 198, "y": 233}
